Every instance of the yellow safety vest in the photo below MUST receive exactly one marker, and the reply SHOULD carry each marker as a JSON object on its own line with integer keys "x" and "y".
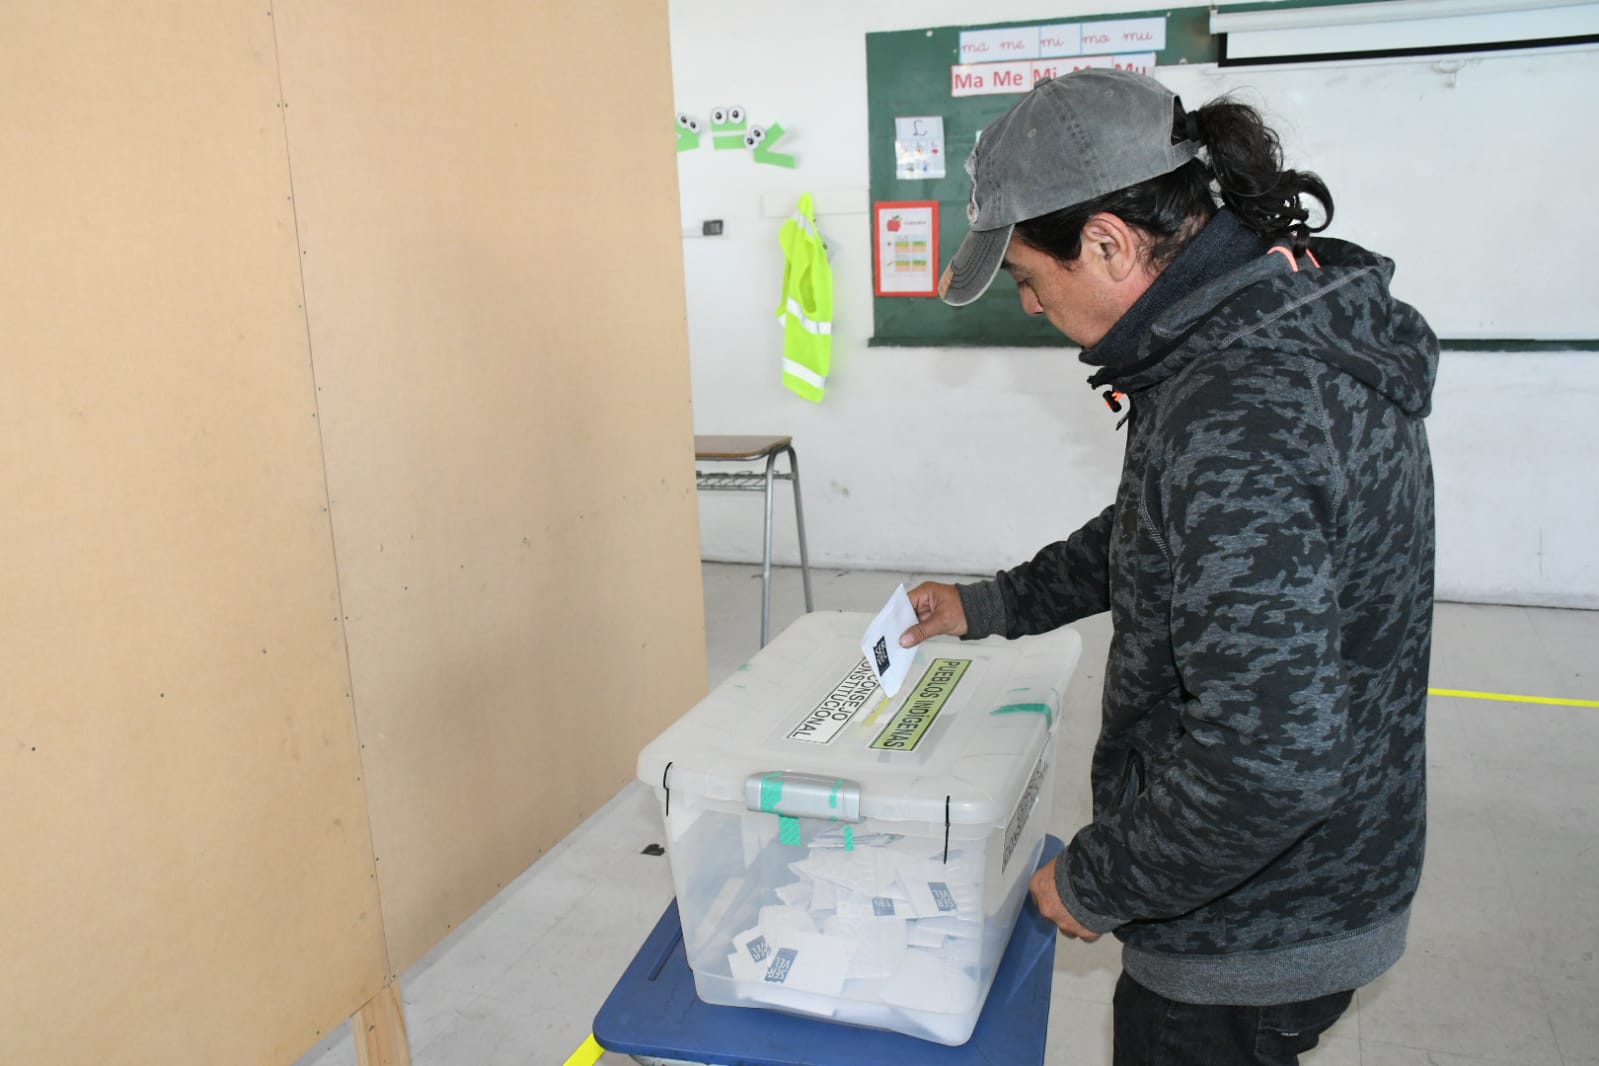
{"x": 806, "y": 310}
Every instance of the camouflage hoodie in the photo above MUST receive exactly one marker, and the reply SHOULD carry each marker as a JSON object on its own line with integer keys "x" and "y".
{"x": 1258, "y": 783}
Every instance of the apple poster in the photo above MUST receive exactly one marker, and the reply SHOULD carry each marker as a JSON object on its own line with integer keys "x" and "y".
{"x": 907, "y": 249}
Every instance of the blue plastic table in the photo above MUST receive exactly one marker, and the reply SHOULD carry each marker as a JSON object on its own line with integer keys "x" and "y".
{"x": 653, "y": 1012}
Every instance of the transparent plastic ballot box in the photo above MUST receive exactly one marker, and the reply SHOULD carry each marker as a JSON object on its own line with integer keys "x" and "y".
{"x": 841, "y": 854}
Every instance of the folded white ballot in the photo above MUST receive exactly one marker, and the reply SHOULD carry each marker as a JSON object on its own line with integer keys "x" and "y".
{"x": 958, "y": 870}
{"x": 824, "y": 896}
{"x": 810, "y": 962}
{"x": 894, "y": 906}
{"x": 797, "y": 894}
{"x": 882, "y": 912}
{"x": 925, "y": 981}
{"x": 881, "y": 647}
{"x": 779, "y": 918}
{"x": 865, "y": 871}
{"x": 752, "y": 953}
{"x": 959, "y": 928}
{"x": 879, "y": 944}
{"x": 931, "y": 899}
{"x": 788, "y": 999}
{"x": 887, "y": 882}
{"x": 787, "y": 955}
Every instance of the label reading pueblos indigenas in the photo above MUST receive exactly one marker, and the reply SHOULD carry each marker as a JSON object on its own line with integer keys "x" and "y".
{"x": 912, "y": 721}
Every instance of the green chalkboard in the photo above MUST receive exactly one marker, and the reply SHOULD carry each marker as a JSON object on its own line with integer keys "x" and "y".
{"x": 908, "y": 73}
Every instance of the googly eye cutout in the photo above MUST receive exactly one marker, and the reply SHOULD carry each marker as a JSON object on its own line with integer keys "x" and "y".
{"x": 754, "y": 137}
{"x": 719, "y": 116}
{"x": 684, "y": 121}
{"x": 735, "y": 115}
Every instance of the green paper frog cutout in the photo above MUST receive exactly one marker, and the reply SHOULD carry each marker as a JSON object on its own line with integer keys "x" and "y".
{"x": 727, "y": 127}
{"x": 760, "y": 141}
{"x": 688, "y": 132}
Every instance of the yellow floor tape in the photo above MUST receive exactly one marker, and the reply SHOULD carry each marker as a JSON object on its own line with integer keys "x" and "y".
{"x": 588, "y": 1054}
{"x": 1467, "y": 694}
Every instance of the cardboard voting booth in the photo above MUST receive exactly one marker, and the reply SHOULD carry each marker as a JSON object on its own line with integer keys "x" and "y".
{"x": 844, "y": 855}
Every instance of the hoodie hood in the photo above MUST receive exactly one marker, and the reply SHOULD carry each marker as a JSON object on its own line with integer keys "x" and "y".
{"x": 1333, "y": 305}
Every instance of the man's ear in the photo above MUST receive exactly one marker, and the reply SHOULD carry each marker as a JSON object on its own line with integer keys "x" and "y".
{"x": 1111, "y": 246}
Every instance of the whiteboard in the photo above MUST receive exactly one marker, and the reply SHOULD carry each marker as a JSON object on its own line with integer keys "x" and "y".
{"x": 1474, "y": 173}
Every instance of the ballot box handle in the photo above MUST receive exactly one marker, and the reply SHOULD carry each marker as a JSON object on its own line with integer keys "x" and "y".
{"x": 803, "y": 795}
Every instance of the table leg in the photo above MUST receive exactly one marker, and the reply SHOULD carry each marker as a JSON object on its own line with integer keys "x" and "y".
{"x": 799, "y": 524}
{"x": 766, "y": 557}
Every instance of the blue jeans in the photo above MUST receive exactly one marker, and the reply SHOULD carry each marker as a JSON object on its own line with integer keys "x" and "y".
{"x": 1152, "y": 1030}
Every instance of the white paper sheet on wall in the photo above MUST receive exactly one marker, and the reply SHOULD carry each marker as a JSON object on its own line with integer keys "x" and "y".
{"x": 919, "y": 147}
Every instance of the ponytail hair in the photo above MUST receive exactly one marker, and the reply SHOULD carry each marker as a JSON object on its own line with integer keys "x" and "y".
{"x": 1246, "y": 168}
{"x": 1241, "y": 165}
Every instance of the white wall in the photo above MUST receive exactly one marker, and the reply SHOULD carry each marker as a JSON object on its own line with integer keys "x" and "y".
{"x": 968, "y": 460}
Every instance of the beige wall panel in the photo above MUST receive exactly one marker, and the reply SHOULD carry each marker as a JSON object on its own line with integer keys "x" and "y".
{"x": 488, "y": 209}
{"x": 188, "y": 871}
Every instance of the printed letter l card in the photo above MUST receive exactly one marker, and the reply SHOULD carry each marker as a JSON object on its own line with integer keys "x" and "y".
{"x": 881, "y": 643}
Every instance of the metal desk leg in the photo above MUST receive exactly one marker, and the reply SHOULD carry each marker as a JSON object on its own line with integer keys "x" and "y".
{"x": 766, "y": 557}
{"x": 799, "y": 524}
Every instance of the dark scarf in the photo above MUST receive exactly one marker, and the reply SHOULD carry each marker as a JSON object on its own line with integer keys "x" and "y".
{"x": 1224, "y": 245}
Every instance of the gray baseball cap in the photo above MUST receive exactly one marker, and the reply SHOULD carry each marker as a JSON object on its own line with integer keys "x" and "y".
{"x": 1070, "y": 140}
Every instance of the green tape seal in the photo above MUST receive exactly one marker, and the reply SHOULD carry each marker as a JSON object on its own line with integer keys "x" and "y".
{"x": 772, "y": 791}
{"x": 849, "y": 838}
{"x": 832, "y": 800}
{"x": 1028, "y": 708}
{"x": 788, "y": 830}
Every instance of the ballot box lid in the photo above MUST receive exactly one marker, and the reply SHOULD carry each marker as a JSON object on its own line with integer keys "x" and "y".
{"x": 803, "y": 728}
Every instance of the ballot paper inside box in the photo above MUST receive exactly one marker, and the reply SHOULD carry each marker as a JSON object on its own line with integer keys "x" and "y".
{"x": 845, "y": 855}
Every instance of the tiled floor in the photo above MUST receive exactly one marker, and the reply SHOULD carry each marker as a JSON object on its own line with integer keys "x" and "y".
{"x": 1501, "y": 970}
